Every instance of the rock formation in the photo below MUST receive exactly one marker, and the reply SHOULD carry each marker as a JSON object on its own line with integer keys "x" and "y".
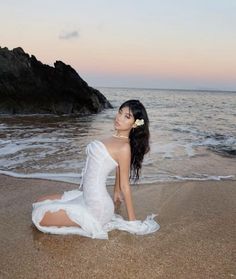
{"x": 29, "y": 86}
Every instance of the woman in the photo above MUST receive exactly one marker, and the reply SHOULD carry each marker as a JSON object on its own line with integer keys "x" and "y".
{"x": 91, "y": 212}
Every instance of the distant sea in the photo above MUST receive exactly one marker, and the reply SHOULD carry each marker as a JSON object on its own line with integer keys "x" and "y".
{"x": 193, "y": 137}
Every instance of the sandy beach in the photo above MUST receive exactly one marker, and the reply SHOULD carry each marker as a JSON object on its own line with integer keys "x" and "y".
{"x": 196, "y": 238}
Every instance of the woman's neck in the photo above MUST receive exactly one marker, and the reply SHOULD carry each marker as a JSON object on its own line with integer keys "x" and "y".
{"x": 121, "y": 136}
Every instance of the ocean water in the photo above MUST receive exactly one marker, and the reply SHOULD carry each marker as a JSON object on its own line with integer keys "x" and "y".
{"x": 193, "y": 137}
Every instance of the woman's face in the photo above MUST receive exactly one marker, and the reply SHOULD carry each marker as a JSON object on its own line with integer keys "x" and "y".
{"x": 124, "y": 119}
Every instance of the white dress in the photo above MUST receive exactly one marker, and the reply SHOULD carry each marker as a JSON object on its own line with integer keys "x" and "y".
{"x": 92, "y": 208}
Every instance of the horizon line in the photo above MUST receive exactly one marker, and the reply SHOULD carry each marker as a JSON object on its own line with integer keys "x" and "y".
{"x": 165, "y": 89}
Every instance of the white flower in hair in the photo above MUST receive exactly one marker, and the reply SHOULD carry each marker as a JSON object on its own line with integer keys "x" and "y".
{"x": 139, "y": 122}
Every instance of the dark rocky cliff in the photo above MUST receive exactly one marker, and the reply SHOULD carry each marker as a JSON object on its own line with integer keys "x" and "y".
{"x": 29, "y": 86}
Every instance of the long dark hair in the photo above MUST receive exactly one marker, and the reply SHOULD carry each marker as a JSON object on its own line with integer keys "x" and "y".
{"x": 139, "y": 137}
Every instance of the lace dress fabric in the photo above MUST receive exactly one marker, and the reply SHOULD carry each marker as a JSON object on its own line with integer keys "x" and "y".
{"x": 91, "y": 206}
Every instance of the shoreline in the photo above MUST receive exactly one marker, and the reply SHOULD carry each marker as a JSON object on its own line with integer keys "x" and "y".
{"x": 54, "y": 177}
{"x": 196, "y": 237}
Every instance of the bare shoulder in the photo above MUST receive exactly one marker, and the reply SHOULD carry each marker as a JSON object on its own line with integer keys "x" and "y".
{"x": 118, "y": 149}
{"x": 124, "y": 158}
{"x": 125, "y": 147}
{"x": 125, "y": 150}
{"x": 116, "y": 145}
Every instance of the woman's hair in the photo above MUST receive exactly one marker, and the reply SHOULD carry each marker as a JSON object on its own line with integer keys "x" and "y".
{"x": 139, "y": 137}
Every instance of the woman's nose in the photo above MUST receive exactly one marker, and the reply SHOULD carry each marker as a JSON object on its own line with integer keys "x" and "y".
{"x": 118, "y": 117}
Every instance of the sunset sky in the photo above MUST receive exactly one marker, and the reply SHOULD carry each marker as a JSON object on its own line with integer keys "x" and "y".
{"x": 183, "y": 44}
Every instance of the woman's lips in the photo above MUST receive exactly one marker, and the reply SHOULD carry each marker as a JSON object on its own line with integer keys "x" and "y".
{"x": 116, "y": 123}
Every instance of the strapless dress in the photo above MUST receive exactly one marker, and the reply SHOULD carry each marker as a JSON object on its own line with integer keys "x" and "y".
{"x": 91, "y": 206}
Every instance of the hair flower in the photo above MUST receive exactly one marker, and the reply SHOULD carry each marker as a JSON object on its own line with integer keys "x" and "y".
{"x": 139, "y": 122}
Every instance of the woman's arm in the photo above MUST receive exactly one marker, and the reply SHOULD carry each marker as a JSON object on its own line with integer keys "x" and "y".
{"x": 124, "y": 166}
{"x": 117, "y": 191}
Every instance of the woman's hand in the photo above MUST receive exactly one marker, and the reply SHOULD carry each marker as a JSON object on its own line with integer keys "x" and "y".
{"x": 117, "y": 198}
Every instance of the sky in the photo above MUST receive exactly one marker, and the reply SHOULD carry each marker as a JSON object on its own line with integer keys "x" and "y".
{"x": 177, "y": 44}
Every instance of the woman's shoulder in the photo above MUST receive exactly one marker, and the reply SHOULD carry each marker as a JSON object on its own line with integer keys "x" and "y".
{"x": 120, "y": 143}
{"x": 124, "y": 152}
{"x": 117, "y": 145}
{"x": 125, "y": 147}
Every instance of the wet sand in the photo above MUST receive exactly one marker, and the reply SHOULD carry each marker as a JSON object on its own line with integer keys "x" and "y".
{"x": 196, "y": 239}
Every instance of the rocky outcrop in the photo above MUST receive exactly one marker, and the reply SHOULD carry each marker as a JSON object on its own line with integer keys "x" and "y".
{"x": 29, "y": 86}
